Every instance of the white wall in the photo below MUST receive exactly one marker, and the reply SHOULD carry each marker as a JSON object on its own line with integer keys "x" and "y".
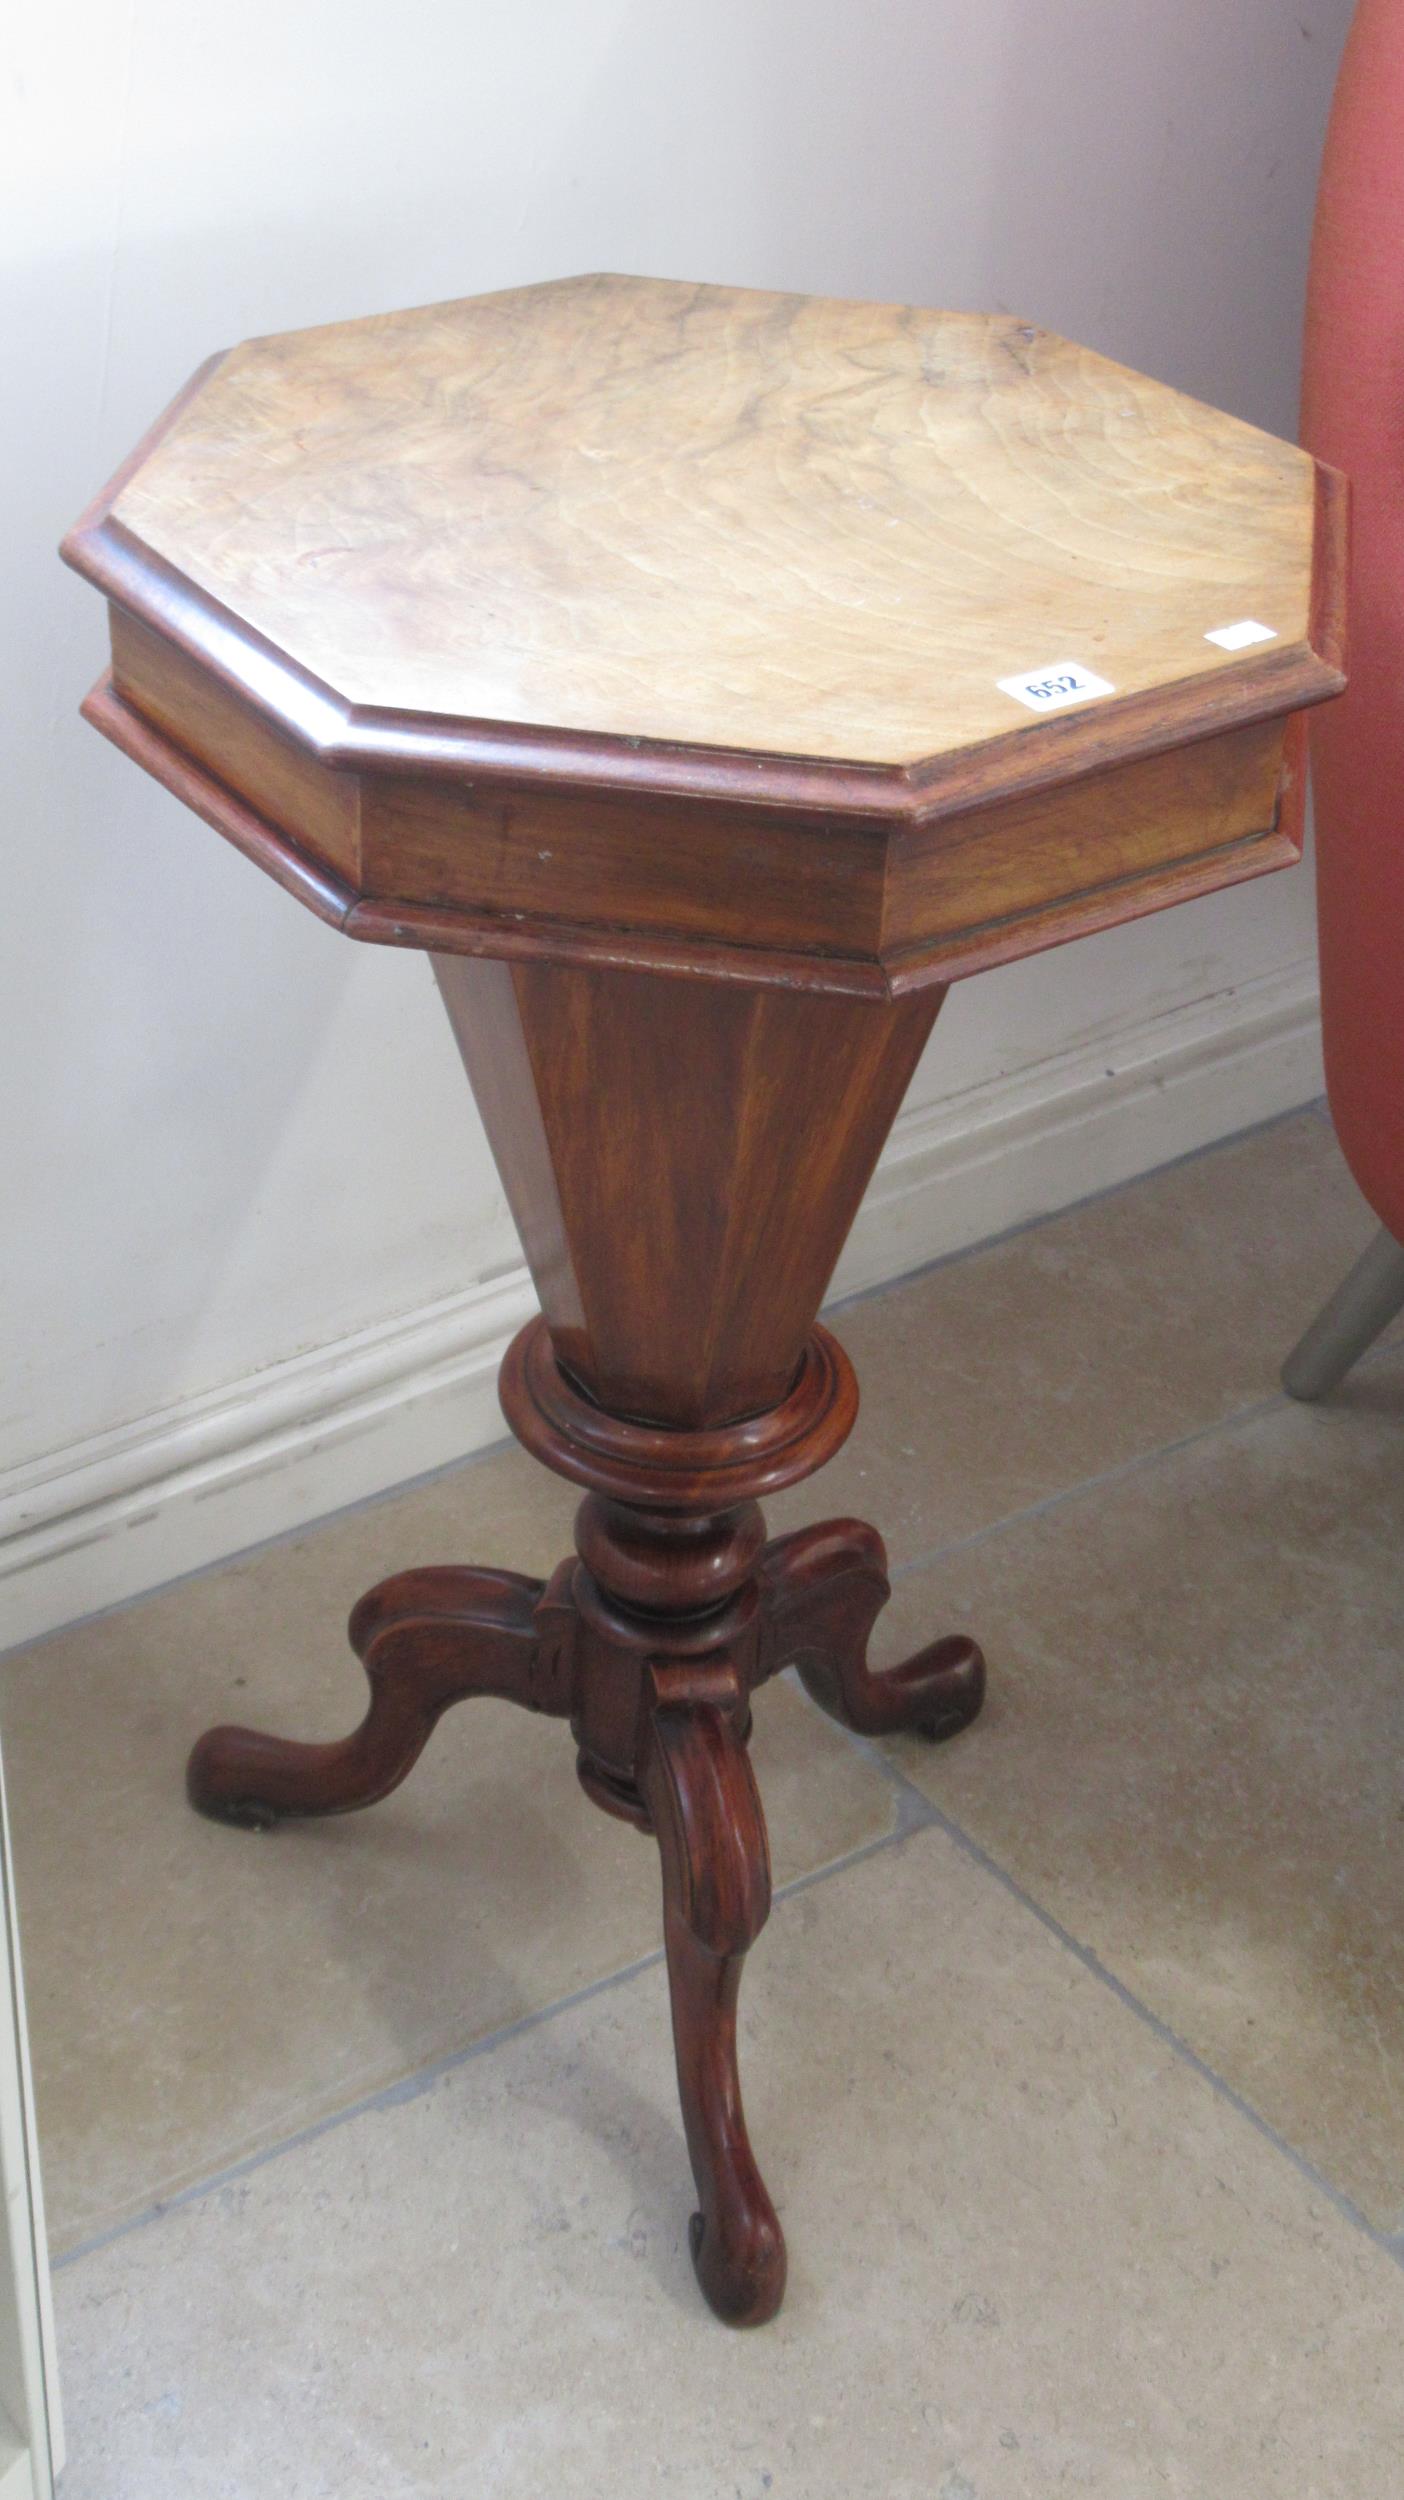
{"x": 255, "y": 1258}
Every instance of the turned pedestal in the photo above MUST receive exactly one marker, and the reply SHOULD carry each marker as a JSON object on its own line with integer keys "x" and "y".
{"x": 704, "y": 680}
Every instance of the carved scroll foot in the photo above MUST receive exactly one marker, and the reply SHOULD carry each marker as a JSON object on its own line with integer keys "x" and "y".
{"x": 427, "y": 1639}
{"x": 823, "y": 1589}
{"x": 702, "y": 1799}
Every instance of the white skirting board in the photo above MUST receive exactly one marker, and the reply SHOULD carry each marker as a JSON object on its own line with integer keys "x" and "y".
{"x": 106, "y": 1519}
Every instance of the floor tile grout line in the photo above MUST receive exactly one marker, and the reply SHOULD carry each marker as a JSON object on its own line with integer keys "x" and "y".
{"x": 914, "y": 1812}
{"x": 919, "y": 1812}
{"x": 1238, "y": 1419}
{"x": 908, "y": 1817}
{"x": 1109, "y": 1476}
{"x": 924, "y": 1814}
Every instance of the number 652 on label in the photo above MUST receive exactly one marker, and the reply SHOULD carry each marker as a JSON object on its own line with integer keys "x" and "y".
{"x": 1049, "y": 689}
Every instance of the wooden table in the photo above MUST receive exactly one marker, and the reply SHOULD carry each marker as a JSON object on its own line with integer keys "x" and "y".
{"x": 704, "y": 679}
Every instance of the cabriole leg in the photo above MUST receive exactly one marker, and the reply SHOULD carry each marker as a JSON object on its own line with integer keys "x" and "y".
{"x": 822, "y": 1590}
{"x": 427, "y": 1639}
{"x": 702, "y": 1798}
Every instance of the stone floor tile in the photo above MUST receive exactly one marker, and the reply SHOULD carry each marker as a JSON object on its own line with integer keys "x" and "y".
{"x": 1193, "y": 1752}
{"x": 1033, "y": 2252}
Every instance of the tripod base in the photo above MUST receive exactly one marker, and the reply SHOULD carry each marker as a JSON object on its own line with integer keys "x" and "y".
{"x": 650, "y": 1643}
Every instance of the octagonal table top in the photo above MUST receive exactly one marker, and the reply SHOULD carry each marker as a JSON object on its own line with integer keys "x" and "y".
{"x": 867, "y": 562}
{"x": 711, "y": 517}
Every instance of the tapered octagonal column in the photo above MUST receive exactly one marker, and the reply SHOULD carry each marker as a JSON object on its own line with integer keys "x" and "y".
{"x": 684, "y": 1160}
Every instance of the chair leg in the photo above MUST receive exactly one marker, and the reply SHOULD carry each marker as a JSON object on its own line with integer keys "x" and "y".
{"x": 1359, "y": 1308}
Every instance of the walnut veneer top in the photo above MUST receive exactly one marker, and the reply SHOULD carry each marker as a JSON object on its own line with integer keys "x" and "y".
{"x": 694, "y": 514}
{"x": 620, "y": 622}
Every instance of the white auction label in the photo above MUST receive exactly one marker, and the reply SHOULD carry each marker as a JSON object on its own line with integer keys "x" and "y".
{"x": 1238, "y": 637}
{"x": 1049, "y": 689}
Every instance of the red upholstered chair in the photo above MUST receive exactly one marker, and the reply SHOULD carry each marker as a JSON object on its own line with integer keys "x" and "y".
{"x": 1353, "y": 416}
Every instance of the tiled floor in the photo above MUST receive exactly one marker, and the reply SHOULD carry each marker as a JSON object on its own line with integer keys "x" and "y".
{"x": 1074, "y": 2051}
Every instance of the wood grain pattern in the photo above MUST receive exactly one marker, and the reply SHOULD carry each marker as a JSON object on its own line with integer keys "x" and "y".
{"x": 427, "y": 1639}
{"x": 319, "y": 809}
{"x": 948, "y": 880}
{"x": 700, "y": 1790}
{"x": 823, "y": 1589}
{"x": 765, "y": 895}
{"x": 699, "y": 1470}
{"x": 682, "y": 1244}
{"x": 722, "y": 518}
{"x": 743, "y": 876}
